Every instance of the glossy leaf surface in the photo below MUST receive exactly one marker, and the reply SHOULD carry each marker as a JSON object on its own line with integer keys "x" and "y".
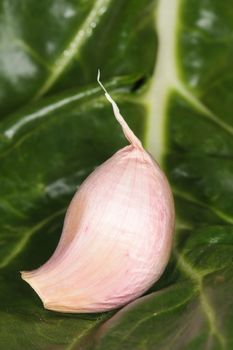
{"x": 56, "y": 127}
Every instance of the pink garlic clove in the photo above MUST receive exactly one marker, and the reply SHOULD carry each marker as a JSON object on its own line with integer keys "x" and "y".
{"x": 117, "y": 235}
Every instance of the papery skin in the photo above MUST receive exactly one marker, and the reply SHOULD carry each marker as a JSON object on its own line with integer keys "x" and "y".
{"x": 117, "y": 235}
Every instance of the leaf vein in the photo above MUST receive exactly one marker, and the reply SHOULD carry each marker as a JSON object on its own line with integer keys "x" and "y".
{"x": 206, "y": 305}
{"x": 226, "y": 218}
{"x": 68, "y": 54}
{"x": 26, "y": 237}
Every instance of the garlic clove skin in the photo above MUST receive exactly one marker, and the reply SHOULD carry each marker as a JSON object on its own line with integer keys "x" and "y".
{"x": 117, "y": 235}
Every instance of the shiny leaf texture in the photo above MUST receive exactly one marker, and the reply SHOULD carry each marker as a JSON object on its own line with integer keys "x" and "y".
{"x": 168, "y": 65}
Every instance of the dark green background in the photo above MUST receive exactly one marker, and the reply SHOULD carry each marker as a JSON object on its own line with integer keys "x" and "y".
{"x": 56, "y": 127}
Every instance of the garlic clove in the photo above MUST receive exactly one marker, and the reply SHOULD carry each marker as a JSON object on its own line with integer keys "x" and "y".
{"x": 117, "y": 235}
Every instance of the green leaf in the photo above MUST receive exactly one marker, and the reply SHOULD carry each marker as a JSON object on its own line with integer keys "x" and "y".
{"x": 191, "y": 306}
{"x": 42, "y": 167}
{"x": 182, "y": 315}
{"x": 48, "y": 147}
{"x": 168, "y": 66}
{"x": 51, "y": 46}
